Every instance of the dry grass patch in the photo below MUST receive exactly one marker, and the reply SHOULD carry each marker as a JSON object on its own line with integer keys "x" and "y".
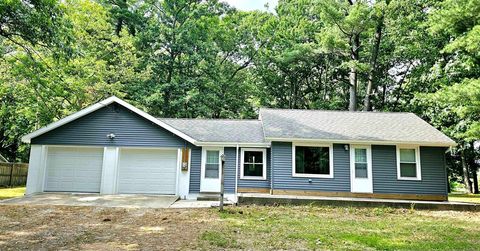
{"x": 63, "y": 227}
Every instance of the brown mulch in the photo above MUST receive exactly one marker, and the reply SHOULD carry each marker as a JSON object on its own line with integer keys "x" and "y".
{"x": 95, "y": 228}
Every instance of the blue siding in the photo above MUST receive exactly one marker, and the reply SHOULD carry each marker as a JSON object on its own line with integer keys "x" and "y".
{"x": 195, "y": 169}
{"x": 129, "y": 128}
{"x": 385, "y": 180}
{"x": 255, "y": 183}
{"x": 282, "y": 175}
{"x": 230, "y": 154}
{"x": 229, "y": 179}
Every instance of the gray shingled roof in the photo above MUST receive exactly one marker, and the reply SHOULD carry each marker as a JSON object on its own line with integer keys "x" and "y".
{"x": 219, "y": 130}
{"x": 350, "y": 126}
{"x": 3, "y": 159}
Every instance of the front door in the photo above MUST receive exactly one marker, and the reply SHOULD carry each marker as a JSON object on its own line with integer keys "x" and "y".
{"x": 361, "y": 169}
{"x": 211, "y": 169}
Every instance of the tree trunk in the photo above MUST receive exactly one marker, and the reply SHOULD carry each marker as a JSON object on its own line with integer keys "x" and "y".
{"x": 352, "y": 106}
{"x": 466, "y": 175}
{"x": 475, "y": 181}
{"x": 355, "y": 44}
{"x": 367, "y": 104}
{"x": 473, "y": 167}
{"x": 118, "y": 27}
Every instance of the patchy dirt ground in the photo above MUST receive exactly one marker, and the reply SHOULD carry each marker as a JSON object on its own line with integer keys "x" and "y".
{"x": 24, "y": 227}
{"x": 91, "y": 228}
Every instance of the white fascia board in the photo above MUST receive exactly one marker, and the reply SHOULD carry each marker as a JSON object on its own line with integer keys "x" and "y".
{"x": 368, "y": 142}
{"x": 233, "y": 144}
{"x": 94, "y": 107}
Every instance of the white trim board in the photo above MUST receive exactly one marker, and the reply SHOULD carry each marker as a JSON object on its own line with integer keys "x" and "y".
{"x": 101, "y": 104}
{"x": 361, "y": 142}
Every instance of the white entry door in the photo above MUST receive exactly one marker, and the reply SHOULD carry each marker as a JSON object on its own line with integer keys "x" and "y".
{"x": 361, "y": 169}
{"x": 211, "y": 169}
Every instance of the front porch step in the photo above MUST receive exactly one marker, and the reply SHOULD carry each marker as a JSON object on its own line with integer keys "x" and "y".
{"x": 209, "y": 197}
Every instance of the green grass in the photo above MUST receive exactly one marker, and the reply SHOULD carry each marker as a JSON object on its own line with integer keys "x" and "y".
{"x": 7, "y": 193}
{"x": 311, "y": 227}
{"x": 473, "y": 198}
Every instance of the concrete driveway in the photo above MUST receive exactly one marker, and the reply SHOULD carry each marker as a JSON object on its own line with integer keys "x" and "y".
{"x": 72, "y": 199}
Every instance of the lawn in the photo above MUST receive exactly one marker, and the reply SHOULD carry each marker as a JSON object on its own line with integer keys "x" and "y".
{"x": 473, "y": 198}
{"x": 250, "y": 228}
{"x": 7, "y": 193}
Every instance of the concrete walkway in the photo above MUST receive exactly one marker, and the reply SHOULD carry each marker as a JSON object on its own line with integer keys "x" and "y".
{"x": 96, "y": 200}
{"x": 72, "y": 199}
{"x": 268, "y": 199}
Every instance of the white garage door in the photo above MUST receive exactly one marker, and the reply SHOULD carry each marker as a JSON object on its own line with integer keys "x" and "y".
{"x": 147, "y": 171}
{"x": 73, "y": 169}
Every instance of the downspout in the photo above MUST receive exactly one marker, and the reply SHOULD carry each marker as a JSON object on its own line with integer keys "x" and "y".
{"x": 271, "y": 168}
{"x": 236, "y": 174}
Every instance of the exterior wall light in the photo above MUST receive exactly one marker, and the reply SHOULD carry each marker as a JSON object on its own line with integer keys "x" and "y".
{"x": 111, "y": 136}
{"x": 345, "y": 147}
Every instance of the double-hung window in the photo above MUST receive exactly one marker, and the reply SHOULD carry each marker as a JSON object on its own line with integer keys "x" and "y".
{"x": 253, "y": 164}
{"x": 408, "y": 163}
{"x": 312, "y": 161}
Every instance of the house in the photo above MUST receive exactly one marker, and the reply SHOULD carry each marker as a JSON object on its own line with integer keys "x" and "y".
{"x": 112, "y": 147}
{"x": 3, "y": 159}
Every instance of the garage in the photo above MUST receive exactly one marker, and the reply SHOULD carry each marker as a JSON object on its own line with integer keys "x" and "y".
{"x": 73, "y": 169}
{"x": 147, "y": 171}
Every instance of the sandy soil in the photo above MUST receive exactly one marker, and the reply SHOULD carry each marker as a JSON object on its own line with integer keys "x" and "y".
{"x": 91, "y": 228}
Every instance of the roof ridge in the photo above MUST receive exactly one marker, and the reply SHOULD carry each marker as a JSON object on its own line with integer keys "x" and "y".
{"x": 212, "y": 119}
{"x": 339, "y": 111}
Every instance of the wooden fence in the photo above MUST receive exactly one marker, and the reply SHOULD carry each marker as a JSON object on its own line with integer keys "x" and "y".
{"x": 13, "y": 174}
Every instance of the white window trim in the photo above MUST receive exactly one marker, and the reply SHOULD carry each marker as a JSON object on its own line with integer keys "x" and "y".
{"x": 417, "y": 162}
{"x": 307, "y": 175}
{"x": 264, "y": 170}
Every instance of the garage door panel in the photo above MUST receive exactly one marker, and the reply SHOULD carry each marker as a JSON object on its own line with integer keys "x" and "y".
{"x": 147, "y": 171}
{"x": 74, "y": 169}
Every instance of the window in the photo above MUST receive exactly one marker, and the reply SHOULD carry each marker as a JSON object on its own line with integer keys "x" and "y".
{"x": 212, "y": 165}
{"x": 312, "y": 161}
{"x": 253, "y": 164}
{"x": 408, "y": 163}
{"x": 361, "y": 163}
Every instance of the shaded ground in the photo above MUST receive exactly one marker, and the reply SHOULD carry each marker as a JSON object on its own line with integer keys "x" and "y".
{"x": 472, "y": 198}
{"x": 251, "y": 228}
{"x": 7, "y": 193}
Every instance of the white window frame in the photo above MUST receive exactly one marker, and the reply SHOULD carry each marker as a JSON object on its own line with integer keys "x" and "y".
{"x": 308, "y": 175}
{"x": 417, "y": 162}
{"x": 264, "y": 170}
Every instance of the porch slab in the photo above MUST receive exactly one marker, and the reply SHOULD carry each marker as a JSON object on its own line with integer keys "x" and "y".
{"x": 269, "y": 199}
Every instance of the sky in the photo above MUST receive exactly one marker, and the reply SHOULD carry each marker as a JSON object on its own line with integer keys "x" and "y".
{"x": 252, "y": 4}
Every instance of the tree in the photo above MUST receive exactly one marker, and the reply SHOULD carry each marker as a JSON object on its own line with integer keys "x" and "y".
{"x": 457, "y": 78}
{"x": 38, "y": 88}
{"x": 32, "y": 23}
